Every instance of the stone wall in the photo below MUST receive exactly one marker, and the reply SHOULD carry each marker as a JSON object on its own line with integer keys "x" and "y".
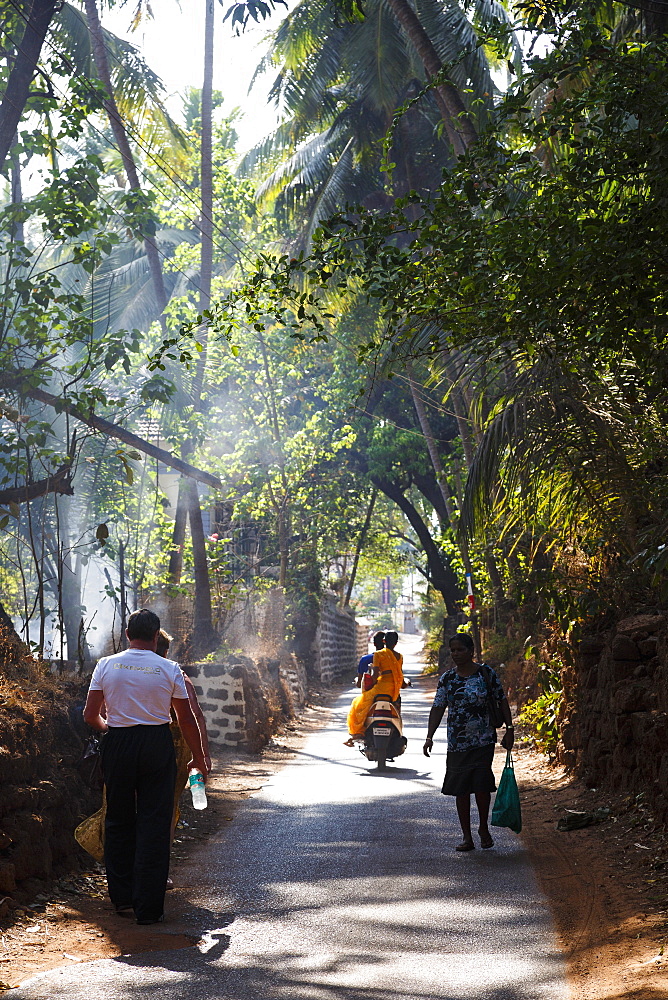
{"x": 243, "y": 700}
{"x": 614, "y": 720}
{"x": 336, "y": 642}
{"x": 220, "y": 692}
{"x": 293, "y": 674}
{"x": 42, "y": 794}
{"x": 362, "y": 640}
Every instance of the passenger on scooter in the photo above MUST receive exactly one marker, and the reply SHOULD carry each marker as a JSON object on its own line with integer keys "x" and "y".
{"x": 365, "y": 662}
{"x": 389, "y": 680}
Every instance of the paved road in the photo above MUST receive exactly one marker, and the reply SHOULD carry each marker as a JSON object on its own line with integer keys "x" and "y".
{"x": 336, "y": 883}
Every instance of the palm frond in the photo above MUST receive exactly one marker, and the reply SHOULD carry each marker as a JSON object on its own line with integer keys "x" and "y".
{"x": 306, "y": 163}
{"x": 138, "y": 90}
{"x": 378, "y": 60}
{"x": 266, "y": 153}
{"x": 556, "y": 448}
{"x": 332, "y": 193}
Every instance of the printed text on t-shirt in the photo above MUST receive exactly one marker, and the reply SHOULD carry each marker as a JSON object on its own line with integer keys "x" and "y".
{"x": 131, "y": 666}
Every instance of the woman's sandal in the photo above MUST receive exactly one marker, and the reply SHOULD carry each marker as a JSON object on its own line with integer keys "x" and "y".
{"x": 350, "y": 742}
{"x": 466, "y": 845}
{"x": 486, "y": 840}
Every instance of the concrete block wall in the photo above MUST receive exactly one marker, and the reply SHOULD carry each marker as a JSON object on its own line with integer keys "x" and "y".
{"x": 220, "y": 692}
{"x": 336, "y": 641}
{"x": 294, "y": 675}
{"x": 362, "y": 640}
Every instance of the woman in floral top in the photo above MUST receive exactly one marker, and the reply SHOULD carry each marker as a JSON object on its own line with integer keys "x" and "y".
{"x": 464, "y": 690}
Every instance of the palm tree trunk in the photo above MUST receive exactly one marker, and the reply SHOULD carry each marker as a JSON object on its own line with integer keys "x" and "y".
{"x": 206, "y": 191}
{"x": 459, "y": 406}
{"x": 280, "y": 503}
{"x": 495, "y": 579}
{"x": 120, "y": 135}
{"x": 204, "y": 637}
{"x": 23, "y": 69}
{"x": 69, "y": 575}
{"x": 458, "y": 125}
{"x": 16, "y": 192}
{"x": 178, "y": 536}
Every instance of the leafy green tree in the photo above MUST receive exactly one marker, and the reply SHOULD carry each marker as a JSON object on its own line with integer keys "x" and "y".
{"x": 550, "y": 285}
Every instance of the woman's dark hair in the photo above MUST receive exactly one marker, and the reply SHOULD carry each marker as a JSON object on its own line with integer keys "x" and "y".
{"x": 391, "y": 639}
{"x": 164, "y": 639}
{"x": 379, "y": 640}
{"x": 143, "y": 625}
{"x": 464, "y": 638}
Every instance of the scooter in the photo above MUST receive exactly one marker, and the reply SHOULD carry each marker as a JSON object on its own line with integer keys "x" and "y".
{"x": 383, "y": 734}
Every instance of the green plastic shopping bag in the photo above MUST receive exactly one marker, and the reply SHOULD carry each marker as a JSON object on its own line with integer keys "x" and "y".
{"x": 507, "y": 810}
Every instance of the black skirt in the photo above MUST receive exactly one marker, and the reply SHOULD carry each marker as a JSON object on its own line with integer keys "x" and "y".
{"x": 468, "y": 771}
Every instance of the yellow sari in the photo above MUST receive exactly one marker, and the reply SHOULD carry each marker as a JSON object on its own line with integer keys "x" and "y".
{"x": 387, "y": 666}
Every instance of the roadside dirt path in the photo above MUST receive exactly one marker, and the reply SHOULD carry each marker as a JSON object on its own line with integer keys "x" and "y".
{"x": 607, "y": 884}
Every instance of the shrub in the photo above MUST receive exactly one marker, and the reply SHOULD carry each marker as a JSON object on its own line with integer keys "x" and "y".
{"x": 541, "y": 715}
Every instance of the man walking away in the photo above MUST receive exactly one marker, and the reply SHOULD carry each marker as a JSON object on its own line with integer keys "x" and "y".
{"x": 137, "y": 688}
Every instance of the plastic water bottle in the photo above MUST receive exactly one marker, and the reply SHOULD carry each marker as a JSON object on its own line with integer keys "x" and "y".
{"x": 197, "y": 789}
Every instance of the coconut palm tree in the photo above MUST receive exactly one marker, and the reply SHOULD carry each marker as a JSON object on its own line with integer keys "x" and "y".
{"x": 101, "y": 58}
{"x": 338, "y": 87}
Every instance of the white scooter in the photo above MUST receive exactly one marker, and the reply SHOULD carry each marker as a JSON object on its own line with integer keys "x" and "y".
{"x": 383, "y": 733}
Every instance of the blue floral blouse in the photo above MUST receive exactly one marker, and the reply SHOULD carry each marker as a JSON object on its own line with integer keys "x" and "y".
{"x": 466, "y": 701}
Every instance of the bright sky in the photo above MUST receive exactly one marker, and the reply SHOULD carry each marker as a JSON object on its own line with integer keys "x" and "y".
{"x": 172, "y": 43}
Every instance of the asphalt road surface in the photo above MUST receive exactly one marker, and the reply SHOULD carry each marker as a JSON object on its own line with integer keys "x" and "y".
{"x": 337, "y": 883}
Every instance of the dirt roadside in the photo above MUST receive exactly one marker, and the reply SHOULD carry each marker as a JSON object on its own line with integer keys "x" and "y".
{"x": 607, "y": 884}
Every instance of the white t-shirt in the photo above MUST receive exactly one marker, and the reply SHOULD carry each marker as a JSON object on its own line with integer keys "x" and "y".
{"x": 138, "y": 687}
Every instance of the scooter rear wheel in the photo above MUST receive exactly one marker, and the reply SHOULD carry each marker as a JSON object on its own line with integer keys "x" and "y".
{"x": 382, "y": 758}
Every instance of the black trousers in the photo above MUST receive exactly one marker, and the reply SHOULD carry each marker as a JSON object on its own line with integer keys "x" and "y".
{"x": 139, "y": 768}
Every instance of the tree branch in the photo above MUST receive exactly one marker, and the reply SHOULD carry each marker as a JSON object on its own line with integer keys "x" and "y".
{"x": 442, "y": 574}
{"x": 59, "y": 482}
{"x": 127, "y": 437}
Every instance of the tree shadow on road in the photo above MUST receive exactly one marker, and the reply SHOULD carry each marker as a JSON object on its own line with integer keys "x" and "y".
{"x": 343, "y": 896}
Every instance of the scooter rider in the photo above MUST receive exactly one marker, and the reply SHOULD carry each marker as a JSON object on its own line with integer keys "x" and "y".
{"x": 391, "y": 639}
{"x": 388, "y": 679}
